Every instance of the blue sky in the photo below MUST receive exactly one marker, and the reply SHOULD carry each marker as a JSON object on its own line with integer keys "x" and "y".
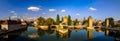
{"x": 98, "y": 9}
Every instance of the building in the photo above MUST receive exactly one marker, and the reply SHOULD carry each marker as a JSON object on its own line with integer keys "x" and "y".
{"x": 117, "y": 22}
{"x": 80, "y": 23}
{"x": 107, "y": 22}
{"x": 65, "y": 20}
{"x": 11, "y": 25}
{"x": 35, "y": 22}
{"x": 90, "y": 21}
{"x": 99, "y": 23}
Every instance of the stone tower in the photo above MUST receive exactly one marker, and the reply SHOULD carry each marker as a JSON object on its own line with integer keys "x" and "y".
{"x": 65, "y": 20}
{"x": 90, "y": 21}
{"x": 107, "y": 22}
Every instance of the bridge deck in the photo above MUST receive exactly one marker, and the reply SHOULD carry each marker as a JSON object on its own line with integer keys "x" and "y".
{"x": 117, "y": 29}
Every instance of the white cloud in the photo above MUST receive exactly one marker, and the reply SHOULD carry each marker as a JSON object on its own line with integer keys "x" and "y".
{"x": 78, "y": 14}
{"x": 15, "y": 13}
{"x": 52, "y": 10}
{"x": 63, "y": 11}
{"x": 43, "y": 13}
{"x": 34, "y": 8}
{"x": 92, "y": 9}
{"x": 12, "y": 11}
{"x": 13, "y": 17}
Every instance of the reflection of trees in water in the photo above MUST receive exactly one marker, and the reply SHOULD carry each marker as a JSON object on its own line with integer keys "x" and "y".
{"x": 12, "y": 35}
{"x": 115, "y": 34}
{"x": 40, "y": 32}
{"x": 103, "y": 29}
{"x": 49, "y": 31}
{"x": 98, "y": 29}
{"x": 57, "y": 34}
{"x": 76, "y": 29}
{"x": 69, "y": 33}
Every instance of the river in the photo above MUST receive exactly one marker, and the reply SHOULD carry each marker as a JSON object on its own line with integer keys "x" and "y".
{"x": 32, "y": 34}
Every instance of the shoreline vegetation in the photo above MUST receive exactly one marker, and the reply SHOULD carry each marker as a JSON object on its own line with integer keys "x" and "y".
{"x": 66, "y": 20}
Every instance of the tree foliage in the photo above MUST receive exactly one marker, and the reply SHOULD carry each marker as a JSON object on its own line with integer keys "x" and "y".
{"x": 50, "y": 21}
{"x": 69, "y": 20}
{"x": 57, "y": 20}
{"x": 76, "y": 22}
{"x": 111, "y": 21}
{"x": 85, "y": 22}
{"x": 41, "y": 21}
{"x": 117, "y": 25}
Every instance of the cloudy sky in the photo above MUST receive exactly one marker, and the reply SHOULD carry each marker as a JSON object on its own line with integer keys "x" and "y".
{"x": 98, "y": 9}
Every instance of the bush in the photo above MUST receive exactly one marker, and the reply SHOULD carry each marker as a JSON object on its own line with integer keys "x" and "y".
{"x": 117, "y": 25}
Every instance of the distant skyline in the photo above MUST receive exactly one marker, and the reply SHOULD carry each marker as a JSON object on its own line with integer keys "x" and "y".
{"x": 98, "y": 9}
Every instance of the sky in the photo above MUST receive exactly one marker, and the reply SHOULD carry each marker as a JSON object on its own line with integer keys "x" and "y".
{"x": 98, "y": 9}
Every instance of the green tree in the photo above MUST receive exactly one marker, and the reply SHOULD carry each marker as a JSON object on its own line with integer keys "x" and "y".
{"x": 69, "y": 20}
{"x": 76, "y": 22}
{"x": 62, "y": 18}
{"x": 41, "y": 21}
{"x": 18, "y": 20}
{"x": 57, "y": 20}
{"x": 85, "y": 22}
{"x": 111, "y": 21}
{"x": 50, "y": 21}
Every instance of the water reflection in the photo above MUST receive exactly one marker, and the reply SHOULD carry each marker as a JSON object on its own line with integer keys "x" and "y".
{"x": 41, "y": 32}
{"x": 76, "y": 29}
{"x": 50, "y": 31}
{"x": 90, "y": 33}
{"x": 98, "y": 29}
{"x": 65, "y": 36}
{"x": 51, "y": 34}
{"x": 12, "y": 35}
{"x": 107, "y": 32}
{"x": 113, "y": 33}
{"x": 32, "y": 36}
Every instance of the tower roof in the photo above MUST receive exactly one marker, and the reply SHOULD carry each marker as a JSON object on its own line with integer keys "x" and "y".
{"x": 90, "y": 17}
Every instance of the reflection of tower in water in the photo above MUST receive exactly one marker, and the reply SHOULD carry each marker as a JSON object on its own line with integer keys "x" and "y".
{"x": 107, "y": 32}
{"x": 90, "y": 34}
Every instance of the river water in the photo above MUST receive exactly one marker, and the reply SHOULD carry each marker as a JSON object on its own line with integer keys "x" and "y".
{"x": 32, "y": 34}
